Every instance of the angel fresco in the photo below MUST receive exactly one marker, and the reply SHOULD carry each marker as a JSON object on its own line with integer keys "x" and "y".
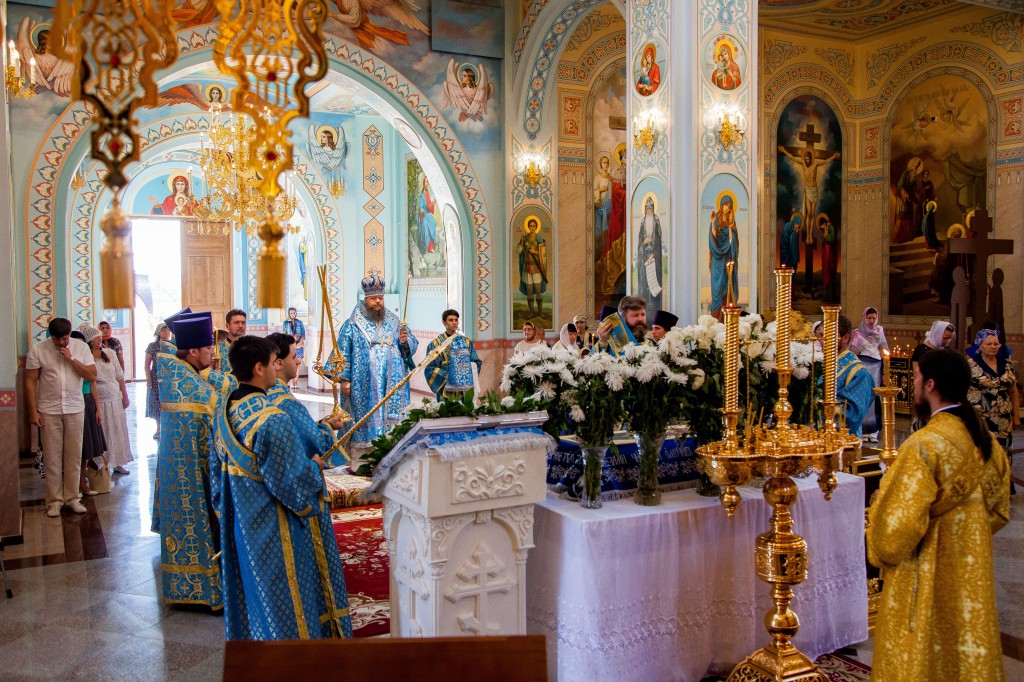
{"x": 355, "y": 15}
{"x": 50, "y": 73}
{"x": 467, "y": 89}
{"x": 328, "y": 147}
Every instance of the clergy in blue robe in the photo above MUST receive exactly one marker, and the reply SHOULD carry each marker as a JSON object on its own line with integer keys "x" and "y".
{"x": 283, "y": 577}
{"x": 854, "y": 385}
{"x": 378, "y": 354}
{"x": 318, "y": 437}
{"x": 188, "y": 532}
{"x": 450, "y": 374}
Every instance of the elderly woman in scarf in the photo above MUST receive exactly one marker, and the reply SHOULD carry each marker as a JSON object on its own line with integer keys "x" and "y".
{"x": 993, "y": 389}
{"x": 868, "y": 343}
{"x": 567, "y": 340}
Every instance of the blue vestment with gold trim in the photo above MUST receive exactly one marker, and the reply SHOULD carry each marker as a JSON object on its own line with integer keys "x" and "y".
{"x": 283, "y": 577}
{"x": 452, "y": 371}
{"x": 316, "y": 436}
{"x": 375, "y": 362}
{"x": 188, "y": 533}
{"x": 223, "y": 347}
{"x": 854, "y": 390}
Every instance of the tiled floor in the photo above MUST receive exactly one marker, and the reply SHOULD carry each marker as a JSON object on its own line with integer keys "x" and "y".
{"x": 86, "y": 588}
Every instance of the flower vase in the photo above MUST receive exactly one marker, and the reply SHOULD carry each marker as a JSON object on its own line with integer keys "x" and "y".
{"x": 593, "y": 465}
{"x": 647, "y": 492}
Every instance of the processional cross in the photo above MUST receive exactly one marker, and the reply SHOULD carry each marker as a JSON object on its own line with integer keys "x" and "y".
{"x": 981, "y": 247}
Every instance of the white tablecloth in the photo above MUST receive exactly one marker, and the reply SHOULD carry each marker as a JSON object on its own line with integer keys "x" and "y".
{"x": 669, "y": 593}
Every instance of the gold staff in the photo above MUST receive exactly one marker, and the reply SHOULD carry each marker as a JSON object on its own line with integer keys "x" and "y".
{"x": 335, "y": 359}
{"x": 340, "y": 444}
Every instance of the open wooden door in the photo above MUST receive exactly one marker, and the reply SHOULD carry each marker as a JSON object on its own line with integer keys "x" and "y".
{"x": 206, "y": 271}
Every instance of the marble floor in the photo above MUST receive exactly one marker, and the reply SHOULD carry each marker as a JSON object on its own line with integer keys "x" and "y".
{"x": 86, "y": 587}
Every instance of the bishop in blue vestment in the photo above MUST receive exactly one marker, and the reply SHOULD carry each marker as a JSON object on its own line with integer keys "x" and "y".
{"x": 188, "y": 532}
{"x": 283, "y": 576}
{"x": 450, "y": 374}
{"x": 378, "y": 354}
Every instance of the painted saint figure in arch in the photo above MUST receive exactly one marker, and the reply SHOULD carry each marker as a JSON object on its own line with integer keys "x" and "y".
{"x": 727, "y": 74}
{"x": 650, "y": 73}
{"x": 602, "y": 196}
{"x": 466, "y": 89}
{"x": 649, "y": 256}
{"x": 426, "y": 236}
{"x": 724, "y": 245}
{"x": 179, "y": 202}
{"x": 807, "y": 168}
{"x": 533, "y": 266}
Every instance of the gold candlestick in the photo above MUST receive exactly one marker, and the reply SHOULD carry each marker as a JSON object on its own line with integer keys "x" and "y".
{"x": 777, "y": 454}
{"x": 887, "y": 394}
{"x": 830, "y": 350}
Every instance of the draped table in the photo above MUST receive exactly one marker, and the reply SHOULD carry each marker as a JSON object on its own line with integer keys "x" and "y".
{"x": 670, "y": 593}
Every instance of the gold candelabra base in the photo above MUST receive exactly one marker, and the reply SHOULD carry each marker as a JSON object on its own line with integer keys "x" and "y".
{"x": 887, "y": 395}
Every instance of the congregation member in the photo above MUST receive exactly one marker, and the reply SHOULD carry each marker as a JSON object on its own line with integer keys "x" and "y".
{"x": 161, "y": 335}
{"x": 930, "y": 527}
{"x": 111, "y": 343}
{"x": 318, "y": 437}
{"x": 54, "y": 372}
{"x": 293, "y": 327}
{"x": 585, "y": 338}
{"x": 378, "y": 352}
{"x": 531, "y": 339}
{"x": 868, "y": 343}
{"x": 994, "y": 392}
{"x": 854, "y": 385}
{"x": 663, "y": 323}
{"x": 234, "y": 327}
{"x": 94, "y": 444}
{"x": 189, "y": 541}
{"x": 567, "y": 338}
{"x": 111, "y": 396}
{"x": 280, "y": 560}
{"x": 450, "y": 374}
{"x": 940, "y": 335}
{"x": 1004, "y": 350}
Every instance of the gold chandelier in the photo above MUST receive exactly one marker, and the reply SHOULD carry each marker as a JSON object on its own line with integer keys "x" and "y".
{"x": 233, "y": 197}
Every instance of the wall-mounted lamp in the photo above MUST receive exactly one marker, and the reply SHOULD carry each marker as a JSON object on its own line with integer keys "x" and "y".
{"x": 647, "y": 125}
{"x": 730, "y": 122}
{"x": 78, "y": 180}
{"x": 12, "y": 76}
{"x": 533, "y": 166}
{"x": 338, "y": 188}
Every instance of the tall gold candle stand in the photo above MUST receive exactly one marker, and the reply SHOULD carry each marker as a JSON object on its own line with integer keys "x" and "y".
{"x": 777, "y": 454}
{"x": 887, "y": 394}
{"x": 331, "y": 371}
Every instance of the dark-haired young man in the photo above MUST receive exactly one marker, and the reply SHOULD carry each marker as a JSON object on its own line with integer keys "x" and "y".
{"x": 234, "y": 327}
{"x": 317, "y": 436}
{"x": 54, "y": 370}
{"x": 282, "y": 572}
{"x": 931, "y": 528}
{"x": 450, "y": 374}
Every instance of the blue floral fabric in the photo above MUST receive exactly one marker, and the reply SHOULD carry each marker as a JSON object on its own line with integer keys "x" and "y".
{"x": 317, "y": 437}
{"x": 677, "y": 464}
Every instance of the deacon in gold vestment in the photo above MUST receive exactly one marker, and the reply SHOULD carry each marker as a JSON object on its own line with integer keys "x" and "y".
{"x": 931, "y": 529}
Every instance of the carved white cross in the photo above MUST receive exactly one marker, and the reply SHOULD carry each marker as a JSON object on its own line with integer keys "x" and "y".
{"x": 482, "y": 575}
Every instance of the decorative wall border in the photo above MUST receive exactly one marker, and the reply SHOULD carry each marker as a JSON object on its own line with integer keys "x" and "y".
{"x": 373, "y": 184}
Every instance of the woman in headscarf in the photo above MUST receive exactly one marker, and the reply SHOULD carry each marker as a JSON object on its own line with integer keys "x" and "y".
{"x": 868, "y": 343}
{"x": 939, "y": 336}
{"x": 94, "y": 444}
{"x": 1004, "y": 350}
{"x": 567, "y": 340}
{"x": 994, "y": 390}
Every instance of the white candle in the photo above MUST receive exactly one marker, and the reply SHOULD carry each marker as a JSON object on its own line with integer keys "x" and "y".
{"x": 13, "y": 57}
{"x": 32, "y": 71}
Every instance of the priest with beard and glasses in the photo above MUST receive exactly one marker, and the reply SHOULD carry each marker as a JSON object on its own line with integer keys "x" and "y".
{"x": 930, "y": 527}
{"x": 283, "y": 576}
{"x": 624, "y": 327}
{"x": 378, "y": 352}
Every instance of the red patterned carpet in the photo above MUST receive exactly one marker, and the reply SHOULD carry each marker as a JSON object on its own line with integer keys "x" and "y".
{"x": 839, "y": 668}
{"x": 364, "y": 554}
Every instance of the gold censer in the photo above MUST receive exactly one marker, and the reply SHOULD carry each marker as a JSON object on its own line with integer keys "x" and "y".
{"x": 777, "y": 454}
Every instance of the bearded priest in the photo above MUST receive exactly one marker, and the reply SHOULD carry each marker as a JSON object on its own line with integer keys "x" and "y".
{"x": 378, "y": 352}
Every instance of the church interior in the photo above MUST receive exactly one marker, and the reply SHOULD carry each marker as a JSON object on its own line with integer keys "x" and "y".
{"x": 524, "y": 163}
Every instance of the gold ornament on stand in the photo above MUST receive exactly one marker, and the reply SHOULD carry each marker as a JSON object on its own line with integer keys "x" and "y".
{"x": 331, "y": 371}
{"x": 776, "y": 453}
{"x": 117, "y": 46}
{"x": 264, "y": 45}
{"x": 887, "y": 395}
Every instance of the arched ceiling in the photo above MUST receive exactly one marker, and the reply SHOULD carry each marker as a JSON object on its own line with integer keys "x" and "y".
{"x": 861, "y": 19}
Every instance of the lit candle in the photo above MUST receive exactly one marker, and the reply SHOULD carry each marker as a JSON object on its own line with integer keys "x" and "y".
{"x": 13, "y": 58}
{"x": 32, "y": 71}
{"x": 886, "y": 381}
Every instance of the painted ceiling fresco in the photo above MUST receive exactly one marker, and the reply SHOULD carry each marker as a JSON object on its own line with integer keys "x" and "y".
{"x": 855, "y": 19}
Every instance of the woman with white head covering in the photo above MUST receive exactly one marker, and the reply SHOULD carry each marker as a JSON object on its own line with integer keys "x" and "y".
{"x": 111, "y": 397}
{"x": 567, "y": 340}
{"x": 868, "y": 343}
{"x": 940, "y": 335}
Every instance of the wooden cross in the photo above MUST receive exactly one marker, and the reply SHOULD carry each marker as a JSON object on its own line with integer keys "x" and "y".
{"x": 810, "y": 138}
{"x": 981, "y": 247}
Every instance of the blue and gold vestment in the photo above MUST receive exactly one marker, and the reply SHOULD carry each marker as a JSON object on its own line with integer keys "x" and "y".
{"x": 451, "y": 372}
{"x": 316, "y": 436}
{"x": 375, "y": 363}
{"x": 182, "y": 511}
{"x": 854, "y": 390}
{"x": 283, "y": 577}
{"x": 223, "y": 347}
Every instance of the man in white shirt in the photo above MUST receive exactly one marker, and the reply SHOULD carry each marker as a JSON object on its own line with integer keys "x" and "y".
{"x": 54, "y": 371}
